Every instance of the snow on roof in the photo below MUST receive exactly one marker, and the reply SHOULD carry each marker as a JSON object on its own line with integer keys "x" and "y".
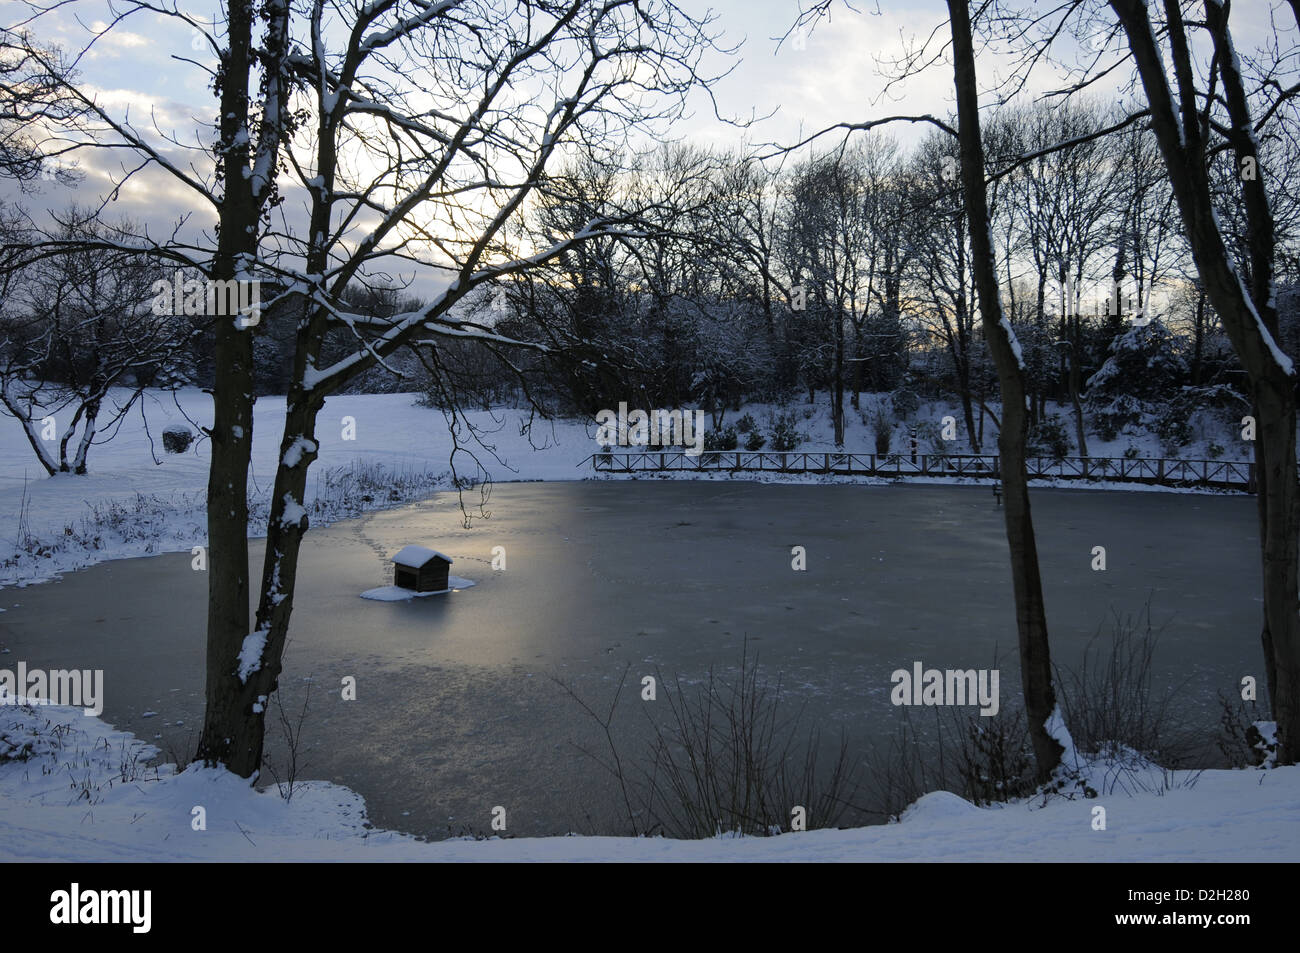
{"x": 413, "y": 557}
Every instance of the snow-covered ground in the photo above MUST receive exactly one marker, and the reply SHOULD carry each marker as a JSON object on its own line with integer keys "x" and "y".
{"x": 83, "y": 795}
{"x": 375, "y": 450}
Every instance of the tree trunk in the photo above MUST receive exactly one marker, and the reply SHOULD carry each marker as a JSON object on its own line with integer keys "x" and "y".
{"x": 231, "y": 736}
{"x": 1076, "y": 384}
{"x": 837, "y": 390}
{"x": 1249, "y": 320}
{"x": 1031, "y": 617}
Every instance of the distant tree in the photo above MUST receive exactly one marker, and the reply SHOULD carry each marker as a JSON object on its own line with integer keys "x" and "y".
{"x": 79, "y": 333}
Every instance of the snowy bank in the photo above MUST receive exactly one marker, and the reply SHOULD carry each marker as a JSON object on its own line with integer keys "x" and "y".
{"x": 73, "y": 789}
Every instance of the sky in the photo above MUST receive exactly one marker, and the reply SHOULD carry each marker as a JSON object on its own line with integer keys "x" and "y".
{"x": 805, "y": 82}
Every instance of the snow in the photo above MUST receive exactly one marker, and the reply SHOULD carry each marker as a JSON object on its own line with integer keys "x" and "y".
{"x": 416, "y": 556}
{"x": 1058, "y": 732}
{"x": 1013, "y": 341}
{"x": 84, "y": 795}
{"x": 300, "y": 446}
{"x": 293, "y": 511}
{"x": 398, "y": 594}
{"x": 250, "y": 654}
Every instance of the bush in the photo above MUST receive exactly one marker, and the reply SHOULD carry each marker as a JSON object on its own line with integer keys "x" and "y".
{"x": 724, "y": 439}
{"x": 784, "y": 435}
{"x": 906, "y": 403}
{"x": 1109, "y": 704}
{"x": 177, "y": 438}
{"x": 755, "y": 441}
{"x": 745, "y": 424}
{"x": 1246, "y": 738}
{"x": 882, "y": 422}
{"x": 729, "y": 758}
{"x": 1109, "y": 419}
{"x": 1049, "y": 438}
{"x": 1174, "y": 427}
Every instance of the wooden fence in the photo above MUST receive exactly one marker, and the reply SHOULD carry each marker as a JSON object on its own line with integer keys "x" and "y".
{"x": 1228, "y": 474}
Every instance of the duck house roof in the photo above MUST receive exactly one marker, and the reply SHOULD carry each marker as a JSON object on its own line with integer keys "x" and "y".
{"x": 417, "y": 557}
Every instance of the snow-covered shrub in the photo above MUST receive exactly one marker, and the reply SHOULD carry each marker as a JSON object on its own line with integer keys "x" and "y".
{"x": 995, "y": 759}
{"x": 1174, "y": 428}
{"x": 1246, "y": 739}
{"x": 984, "y": 760}
{"x": 784, "y": 435}
{"x": 1116, "y": 415}
{"x": 25, "y": 735}
{"x": 746, "y": 424}
{"x": 881, "y": 420}
{"x": 905, "y": 403}
{"x": 724, "y": 439}
{"x": 755, "y": 441}
{"x": 1049, "y": 438}
{"x": 1143, "y": 370}
{"x": 1144, "y": 362}
{"x": 929, "y": 439}
{"x": 1110, "y": 702}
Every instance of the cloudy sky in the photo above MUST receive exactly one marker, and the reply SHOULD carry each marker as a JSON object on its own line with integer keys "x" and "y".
{"x": 811, "y": 80}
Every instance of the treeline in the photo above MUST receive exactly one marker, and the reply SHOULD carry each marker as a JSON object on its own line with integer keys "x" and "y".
{"x": 849, "y": 270}
{"x": 749, "y": 277}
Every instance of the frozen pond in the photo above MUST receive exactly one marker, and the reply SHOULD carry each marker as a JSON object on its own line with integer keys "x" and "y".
{"x": 456, "y": 710}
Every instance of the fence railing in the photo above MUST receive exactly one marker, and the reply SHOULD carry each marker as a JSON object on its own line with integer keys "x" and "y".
{"x": 1154, "y": 471}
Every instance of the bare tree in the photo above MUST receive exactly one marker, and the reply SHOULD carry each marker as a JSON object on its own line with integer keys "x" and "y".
{"x": 1243, "y": 297}
{"x": 1048, "y": 733}
{"x": 80, "y": 333}
{"x": 1045, "y": 724}
{"x": 942, "y": 268}
{"x": 400, "y": 134}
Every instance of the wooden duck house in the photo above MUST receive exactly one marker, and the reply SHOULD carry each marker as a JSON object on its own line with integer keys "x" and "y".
{"x": 421, "y": 569}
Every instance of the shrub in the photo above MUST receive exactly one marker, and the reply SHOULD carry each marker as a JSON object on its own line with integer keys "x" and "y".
{"x": 1112, "y": 417}
{"x": 724, "y": 439}
{"x": 177, "y": 438}
{"x": 905, "y": 403}
{"x": 755, "y": 441}
{"x": 1049, "y": 438}
{"x": 1109, "y": 703}
{"x": 731, "y": 756}
{"x": 784, "y": 435}
{"x": 745, "y": 424}
{"x": 1246, "y": 738}
{"x": 882, "y": 421}
{"x": 1173, "y": 426}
